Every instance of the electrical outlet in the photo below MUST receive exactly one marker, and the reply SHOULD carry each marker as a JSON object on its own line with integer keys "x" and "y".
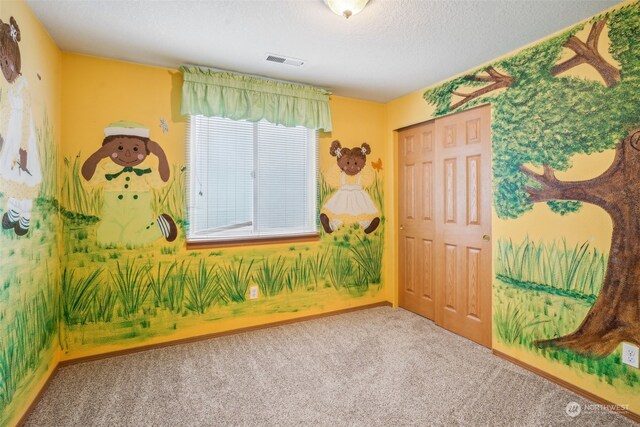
{"x": 630, "y": 354}
{"x": 253, "y": 293}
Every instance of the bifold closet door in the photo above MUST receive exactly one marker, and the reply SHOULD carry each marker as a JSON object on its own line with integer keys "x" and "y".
{"x": 416, "y": 214}
{"x": 463, "y": 223}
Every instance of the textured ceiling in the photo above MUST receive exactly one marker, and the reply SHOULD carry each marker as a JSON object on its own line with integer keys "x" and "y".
{"x": 393, "y": 47}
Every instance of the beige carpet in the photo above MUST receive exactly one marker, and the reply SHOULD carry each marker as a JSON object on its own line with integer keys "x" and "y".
{"x": 380, "y": 366}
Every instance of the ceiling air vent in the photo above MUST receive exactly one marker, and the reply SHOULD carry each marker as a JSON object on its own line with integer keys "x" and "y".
{"x": 279, "y": 59}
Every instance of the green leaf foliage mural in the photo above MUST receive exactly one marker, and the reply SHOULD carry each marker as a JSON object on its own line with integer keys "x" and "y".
{"x": 542, "y": 117}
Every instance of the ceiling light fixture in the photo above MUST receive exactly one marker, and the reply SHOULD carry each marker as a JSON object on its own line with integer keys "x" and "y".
{"x": 346, "y": 8}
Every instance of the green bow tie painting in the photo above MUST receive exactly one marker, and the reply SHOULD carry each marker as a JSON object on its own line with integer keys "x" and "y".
{"x": 128, "y": 169}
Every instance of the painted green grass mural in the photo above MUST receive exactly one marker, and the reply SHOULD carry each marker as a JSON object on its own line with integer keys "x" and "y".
{"x": 134, "y": 295}
{"x": 523, "y": 316}
{"x": 132, "y": 286}
{"x": 543, "y": 117}
{"x": 77, "y": 295}
{"x": 78, "y": 201}
{"x": 376, "y": 189}
{"x": 270, "y": 276}
{"x": 317, "y": 266}
{"x": 340, "y": 269}
{"x": 235, "y": 279}
{"x": 299, "y": 275}
{"x": 577, "y": 271}
{"x": 171, "y": 198}
{"x": 544, "y": 289}
{"x": 48, "y": 153}
{"x": 29, "y": 313}
{"x": 159, "y": 279}
{"x": 33, "y": 326}
{"x": 29, "y": 287}
{"x": 104, "y": 303}
{"x": 367, "y": 253}
{"x": 509, "y": 323}
{"x": 203, "y": 288}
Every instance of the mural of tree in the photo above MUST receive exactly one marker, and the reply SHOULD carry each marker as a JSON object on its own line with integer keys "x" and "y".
{"x": 541, "y": 119}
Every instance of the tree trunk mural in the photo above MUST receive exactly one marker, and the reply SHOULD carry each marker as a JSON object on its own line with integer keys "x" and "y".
{"x": 615, "y": 316}
{"x": 544, "y": 117}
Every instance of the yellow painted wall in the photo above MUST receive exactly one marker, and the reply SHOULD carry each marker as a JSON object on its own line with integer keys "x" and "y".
{"x": 81, "y": 95}
{"x": 99, "y": 91}
{"x": 591, "y": 224}
{"x": 29, "y": 264}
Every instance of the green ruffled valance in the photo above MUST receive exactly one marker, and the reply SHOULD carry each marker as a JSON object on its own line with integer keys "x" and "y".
{"x": 239, "y": 97}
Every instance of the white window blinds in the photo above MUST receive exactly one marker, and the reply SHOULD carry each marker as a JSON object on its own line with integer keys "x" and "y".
{"x": 250, "y": 179}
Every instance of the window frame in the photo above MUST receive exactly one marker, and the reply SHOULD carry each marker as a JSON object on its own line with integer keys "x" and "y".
{"x": 210, "y": 241}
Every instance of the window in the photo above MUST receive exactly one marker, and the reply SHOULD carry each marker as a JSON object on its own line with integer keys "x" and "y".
{"x": 250, "y": 180}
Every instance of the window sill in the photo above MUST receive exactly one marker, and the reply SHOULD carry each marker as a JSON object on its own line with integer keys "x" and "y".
{"x": 250, "y": 241}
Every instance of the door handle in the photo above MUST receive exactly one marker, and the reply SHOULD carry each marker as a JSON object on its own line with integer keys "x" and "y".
{"x": 486, "y": 237}
{"x": 401, "y": 226}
